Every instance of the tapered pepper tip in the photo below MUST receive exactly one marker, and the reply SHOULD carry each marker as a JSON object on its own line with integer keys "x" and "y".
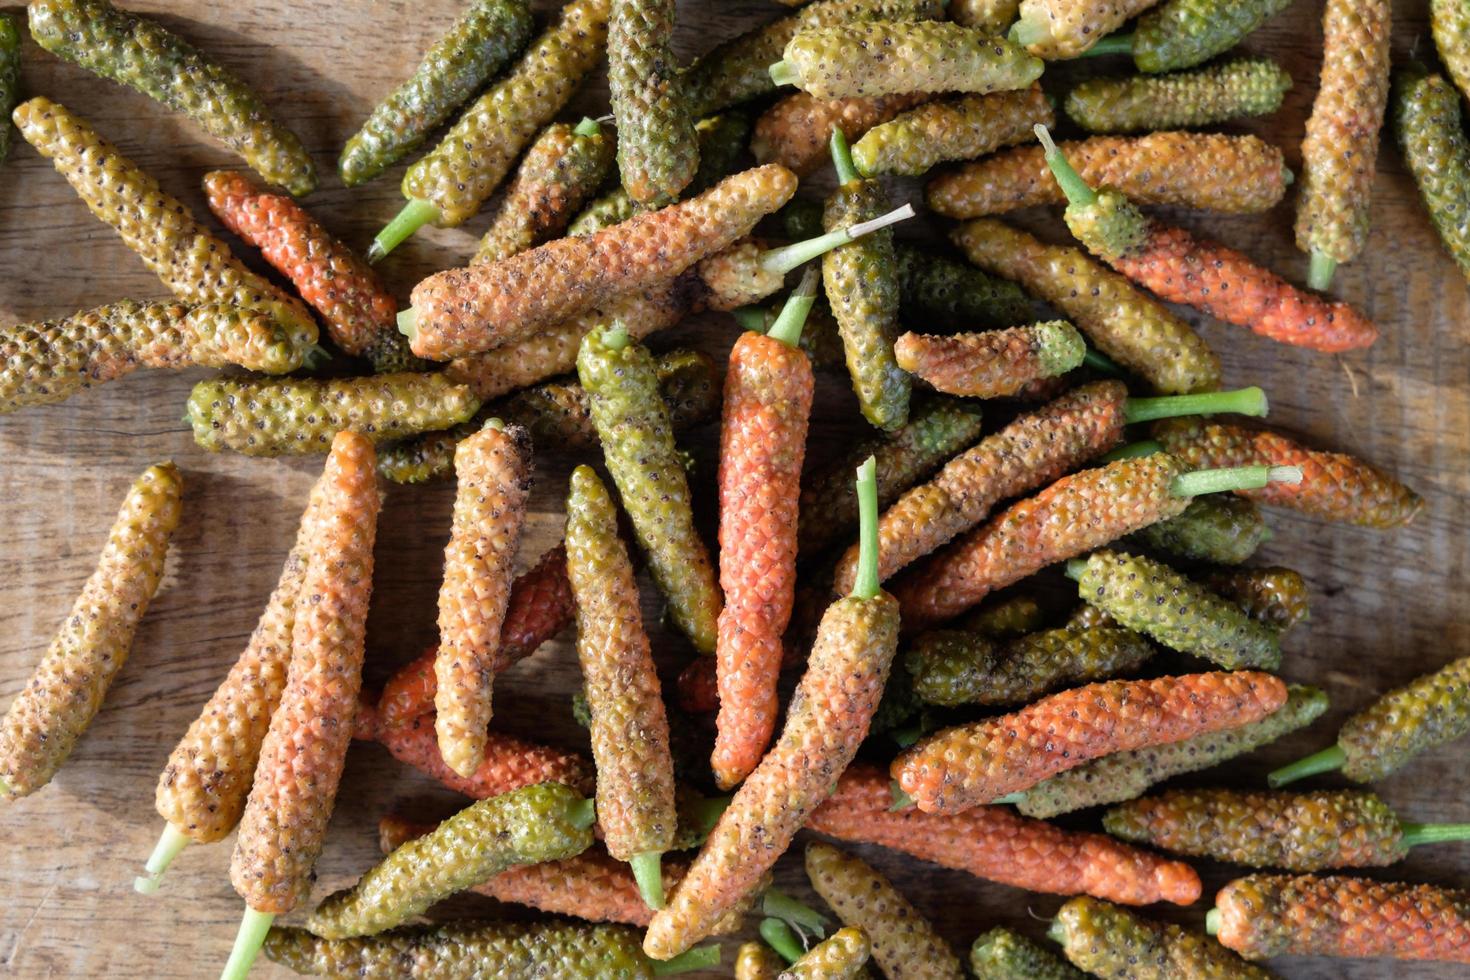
{"x": 699, "y": 958}
{"x": 248, "y": 940}
{"x": 1327, "y": 760}
{"x": 170, "y": 843}
{"x": 1212, "y": 922}
{"x": 780, "y": 937}
{"x": 408, "y": 323}
{"x": 901, "y": 799}
{"x": 1321, "y": 270}
{"x": 648, "y": 873}
{"x": 588, "y": 127}
{"x": 784, "y": 74}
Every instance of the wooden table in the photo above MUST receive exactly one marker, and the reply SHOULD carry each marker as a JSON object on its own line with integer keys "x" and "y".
{"x": 1386, "y": 606}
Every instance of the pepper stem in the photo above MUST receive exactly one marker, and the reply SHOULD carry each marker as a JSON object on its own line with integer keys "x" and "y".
{"x": 1241, "y": 401}
{"x": 170, "y": 843}
{"x": 866, "y": 584}
{"x": 1027, "y": 32}
{"x": 784, "y": 74}
{"x": 1112, "y": 44}
{"x": 778, "y": 936}
{"x": 707, "y": 812}
{"x": 787, "y": 328}
{"x": 648, "y": 872}
{"x": 1011, "y": 798}
{"x": 1099, "y": 361}
{"x": 901, "y": 799}
{"x": 1414, "y": 834}
{"x": 782, "y": 260}
{"x": 1071, "y": 182}
{"x": 408, "y": 323}
{"x": 753, "y": 317}
{"x": 583, "y": 814}
{"x": 1235, "y": 478}
{"x": 699, "y": 958}
{"x": 587, "y": 127}
{"x": 1075, "y": 568}
{"x": 497, "y": 424}
{"x": 1212, "y": 922}
{"x": 253, "y": 928}
{"x": 842, "y": 157}
{"x": 1134, "y": 450}
{"x": 1327, "y": 760}
{"x": 616, "y": 336}
{"x": 1057, "y": 932}
{"x": 415, "y": 214}
{"x": 1321, "y": 271}
{"x": 799, "y": 915}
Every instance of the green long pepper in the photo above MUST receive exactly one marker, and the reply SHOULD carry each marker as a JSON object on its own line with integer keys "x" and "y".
{"x": 1184, "y": 33}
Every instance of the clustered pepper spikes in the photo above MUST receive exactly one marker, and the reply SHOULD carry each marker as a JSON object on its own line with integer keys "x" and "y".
{"x": 1183, "y": 33}
{"x": 757, "y": 961}
{"x": 794, "y": 131}
{"x": 1218, "y": 93}
{"x": 1297, "y": 831}
{"x": 993, "y": 364}
{"x": 448, "y": 184}
{"x": 1112, "y": 943}
{"x": 1261, "y": 916}
{"x": 1428, "y": 711}
{"x": 1181, "y": 268}
{"x": 864, "y": 60}
{"x": 1430, "y": 133}
{"x": 962, "y": 128}
{"x": 143, "y": 55}
{"x": 1001, "y": 954}
{"x": 475, "y": 48}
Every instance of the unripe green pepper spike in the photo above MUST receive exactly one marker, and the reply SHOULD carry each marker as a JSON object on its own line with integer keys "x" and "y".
{"x": 253, "y": 928}
{"x": 415, "y": 214}
{"x": 782, "y": 938}
{"x": 1327, "y": 760}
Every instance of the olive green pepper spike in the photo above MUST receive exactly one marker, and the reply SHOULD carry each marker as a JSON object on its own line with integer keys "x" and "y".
{"x": 1430, "y": 132}
{"x": 1217, "y": 93}
{"x": 9, "y": 77}
{"x": 936, "y": 289}
{"x": 1152, "y": 598}
{"x": 1007, "y": 617}
{"x": 657, "y": 150}
{"x": 475, "y": 49}
{"x": 546, "y": 822}
{"x": 1220, "y": 529}
{"x": 961, "y": 128}
{"x": 1001, "y": 954}
{"x": 143, "y": 55}
{"x": 1449, "y": 23}
{"x": 1276, "y": 596}
{"x": 1184, "y": 33}
{"x": 638, "y": 448}
{"x": 1111, "y": 942}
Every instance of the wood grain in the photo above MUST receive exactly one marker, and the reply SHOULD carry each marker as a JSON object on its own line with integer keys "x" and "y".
{"x": 1386, "y": 606}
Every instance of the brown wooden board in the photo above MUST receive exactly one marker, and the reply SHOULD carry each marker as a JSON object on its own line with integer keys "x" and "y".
{"x": 1386, "y": 606}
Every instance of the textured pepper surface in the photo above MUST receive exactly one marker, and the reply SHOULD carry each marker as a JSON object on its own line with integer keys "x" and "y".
{"x": 861, "y": 284}
{"x": 10, "y": 76}
{"x": 1334, "y": 486}
{"x": 1032, "y": 450}
{"x": 1341, "y": 145}
{"x": 305, "y": 748}
{"x": 735, "y": 277}
{"x": 573, "y": 950}
{"x": 509, "y": 762}
{"x": 462, "y": 311}
{"x": 1071, "y": 516}
{"x": 1070, "y": 27}
{"x": 1125, "y": 324}
{"x": 937, "y": 429}
{"x": 146, "y": 57}
{"x": 1449, "y": 23}
{"x": 1183, "y": 33}
{"x": 355, "y": 305}
{"x": 991, "y": 16}
{"x": 1001, "y": 954}
{"x": 1152, "y": 598}
{"x": 51, "y": 360}
{"x": 757, "y": 961}
{"x": 203, "y": 786}
{"x": 962, "y": 128}
{"x": 993, "y": 364}
{"x": 827, "y": 718}
{"x": 524, "y": 826}
{"x": 1428, "y": 711}
{"x": 977, "y": 762}
{"x": 638, "y": 448}
{"x": 905, "y": 944}
{"x": 475, "y": 48}
{"x": 630, "y": 733}
{"x": 995, "y": 844}
{"x": 559, "y": 173}
{"x": 1205, "y": 171}
{"x": 768, "y": 400}
{"x": 1430, "y": 133}
{"x": 493, "y": 473}
{"x": 293, "y": 416}
{"x": 953, "y": 667}
{"x": 864, "y": 60}
{"x": 840, "y": 956}
{"x": 1114, "y": 944}
{"x": 65, "y": 691}
{"x": 934, "y": 286}
{"x": 794, "y": 131}
{"x": 1125, "y": 775}
{"x": 657, "y": 151}
{"x": 1276, "y": 596}
{"x": 1215, "y": 528}
{"x": 1202, "y": 97}
{"x": 461, "y": 173}
{"x": 192, "y": 263}
{"x": 1296, "y": 831}
{"x": 1278, "y": 915}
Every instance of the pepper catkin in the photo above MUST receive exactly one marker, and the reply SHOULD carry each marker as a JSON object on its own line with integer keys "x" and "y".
{"x": 1276, "y": 596}
{"x": 1219, "y": 529}
{"x": 993, "y": 364}
{"x": 794, "y": 131}
{"x": 1114, "y": 944}
{"x": 1449, "y": 23}
{"x": 1001, "y": 954}
{"x": 840, "y": 956}
{"x": 1184, "y": 33}
{"x": 1429, "y": 131}
{"x": 1233, "y": 89}
{"x": 962, "y": 128}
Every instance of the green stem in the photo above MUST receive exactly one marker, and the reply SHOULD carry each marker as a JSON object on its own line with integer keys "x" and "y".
{"x": 1071, "y": 182}
{"x": 616, "y": 336}
{"x": 787, "y": 328}
{"x": 1288, "y": 177}
{"x": 1099, "y": 361}
{"x": 1133, "y": 450}
{"x": 753, "y": 317}
{"x": 408, "y": 323}
{"x": 583, "y": 814}
{"x": 1241, "y": 401}
{"x": 782, "y": 260}
{"x": 170, "y": 843}
{"x": 1075, "y": 568}
{"x": 1112, "y": 44}
{"x": 253, "y": 928}
{"x": 1327, "y": 760}
{"x": 1057, "y": 932}
{"x": 1321, "y": 271}
{"x": 908, "y": 734}
{"x": 648, "y": 872}
{"x": 1011, "y": 798}
{"x": 1414, "y": 834}
{"x": 901, "y": 799}
{"x": 798, "y": 915}
{"x": 778, "y": 936}
{"x": 415, "y": 214}
{"x": 842, "y": 157}
{"x": 707, "y": 812}
{"x": 1234, "y": 478}
{"x": 497, "y": 424}
{"x": 588, "y": 127}
{"x": 1027, "y": 32}
{"x": 866, "y": 584}
{"x": 1212, "y": 922}
{"x": 698, "y": 958}
{"x": 784, "y": 74}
